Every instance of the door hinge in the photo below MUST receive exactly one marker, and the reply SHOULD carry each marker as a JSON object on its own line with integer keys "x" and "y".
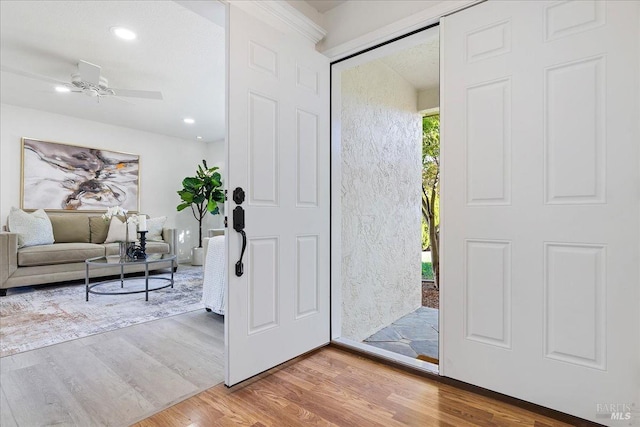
{"x": 226, "y": 225}
{"x": 225, "y": 195}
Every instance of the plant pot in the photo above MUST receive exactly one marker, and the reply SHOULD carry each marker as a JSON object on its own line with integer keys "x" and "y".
{"x": 197, "y": 256}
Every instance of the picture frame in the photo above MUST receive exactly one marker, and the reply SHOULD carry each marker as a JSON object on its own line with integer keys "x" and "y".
{"x": 57, "y": 176}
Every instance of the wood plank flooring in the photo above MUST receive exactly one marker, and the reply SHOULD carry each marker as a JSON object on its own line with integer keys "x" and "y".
{"x": 333, "y": 387}
{"x": 116, "y": 378}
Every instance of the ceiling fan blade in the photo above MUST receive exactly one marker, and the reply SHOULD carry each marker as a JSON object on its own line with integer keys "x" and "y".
{"x": 148, "y": 94}
{"x": 32, "y": 75}
{"x": 89, "y": 72}
{"x": 118, "y": 99}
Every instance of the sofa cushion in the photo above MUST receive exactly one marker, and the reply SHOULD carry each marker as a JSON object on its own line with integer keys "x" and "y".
{"x": 58, "y": 253}
{"x": 32, "y": 228}
{"x": 70, "y": 228}
{"x": 154, "y": 226}
{"x": 99, "y": 227}
{"x": 151, "y": 248}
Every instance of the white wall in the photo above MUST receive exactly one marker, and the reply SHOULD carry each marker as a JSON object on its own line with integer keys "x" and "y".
{"x": 429, "y": 99}
{"x": 381, "y": 189}
{"x": 164, "y": 161}
{"x": 215, "y": 157}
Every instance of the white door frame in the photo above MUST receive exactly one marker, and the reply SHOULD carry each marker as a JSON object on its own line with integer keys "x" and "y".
{"x": 378, "y": 40}
{"x": 397, "y": 30}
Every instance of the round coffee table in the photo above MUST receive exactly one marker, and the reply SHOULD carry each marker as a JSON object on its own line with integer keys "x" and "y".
{"x": 115, "y": 261}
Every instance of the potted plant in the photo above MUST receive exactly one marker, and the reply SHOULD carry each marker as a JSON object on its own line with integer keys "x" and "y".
{"x": 202, "y": 193}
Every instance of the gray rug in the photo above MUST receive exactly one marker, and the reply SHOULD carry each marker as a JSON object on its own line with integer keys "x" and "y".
{"x": 35, "y": 317}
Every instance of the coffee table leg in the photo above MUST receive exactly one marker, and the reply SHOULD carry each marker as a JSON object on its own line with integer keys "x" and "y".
{"x": 146, "y": 281}
{"x": 172, "y": 269}
{"x": 86, "y": 282}
{"x": 121, "y": 275}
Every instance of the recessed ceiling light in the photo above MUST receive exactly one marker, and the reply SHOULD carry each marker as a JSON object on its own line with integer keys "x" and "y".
{"x": 62, "y": 89}
{"x": 123, "y": 33}
{"x": 198, "y": 137}
{"x": 189, "y": 120}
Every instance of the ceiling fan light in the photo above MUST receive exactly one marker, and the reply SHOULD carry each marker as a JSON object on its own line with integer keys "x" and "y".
{"x": 62, "y": 89}
{"x": 103, "y": 83}
{"x": 123, "y": 33}
{"x": 76, "y": 79}
{"x": 189, "y": 120}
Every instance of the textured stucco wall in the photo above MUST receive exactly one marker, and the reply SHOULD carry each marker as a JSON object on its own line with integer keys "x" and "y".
{"x": 381, "y": 188}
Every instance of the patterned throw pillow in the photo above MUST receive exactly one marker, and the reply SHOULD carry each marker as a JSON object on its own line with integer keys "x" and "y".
{"x": 154, "y": 226}
{"x": 33, "y": 228}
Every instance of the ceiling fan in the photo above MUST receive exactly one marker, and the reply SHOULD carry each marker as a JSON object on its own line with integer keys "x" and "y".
{"x": 89, "y": 82}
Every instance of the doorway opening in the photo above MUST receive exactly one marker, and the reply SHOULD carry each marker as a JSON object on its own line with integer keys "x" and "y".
{"x": 386, "y": 104}
{"x": 417, "y": 334}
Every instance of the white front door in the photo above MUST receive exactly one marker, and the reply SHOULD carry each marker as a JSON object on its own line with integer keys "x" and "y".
{"x": 279, "y": 155}
{"x": 540, "y": 231}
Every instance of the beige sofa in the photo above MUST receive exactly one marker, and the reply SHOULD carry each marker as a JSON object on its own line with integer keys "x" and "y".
{"x": 77, "y": 237}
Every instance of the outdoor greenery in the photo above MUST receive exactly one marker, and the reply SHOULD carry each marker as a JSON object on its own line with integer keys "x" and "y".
{"x": 431, "y": 190}
{"x": 427, "y": 271}
{"x": 202, "y": 193}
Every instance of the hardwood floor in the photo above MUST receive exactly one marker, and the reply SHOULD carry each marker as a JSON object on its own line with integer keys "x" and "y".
{"x": 333, "y": 387}
{"x": 116, "y": 378}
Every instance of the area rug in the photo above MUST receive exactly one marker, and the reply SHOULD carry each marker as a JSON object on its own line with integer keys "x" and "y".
{"x": 35, "y": 317}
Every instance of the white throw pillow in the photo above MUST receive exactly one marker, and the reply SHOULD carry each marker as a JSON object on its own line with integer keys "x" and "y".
{"x": 154, "y": 227}
{"x": 117, "y": 231}
{"x": 33, "y": 229}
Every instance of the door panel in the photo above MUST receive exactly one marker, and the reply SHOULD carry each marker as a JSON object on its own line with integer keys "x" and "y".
{"x": 540, "y": 212}
{"x": 279, "y": 154}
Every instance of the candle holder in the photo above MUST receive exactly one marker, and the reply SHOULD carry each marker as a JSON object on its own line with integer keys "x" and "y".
{"x": 138, "y": 252}
{"x": 143, "y": 242}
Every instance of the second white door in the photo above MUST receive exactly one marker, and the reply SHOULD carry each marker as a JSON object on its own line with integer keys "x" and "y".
{"x": 540, "y": 231}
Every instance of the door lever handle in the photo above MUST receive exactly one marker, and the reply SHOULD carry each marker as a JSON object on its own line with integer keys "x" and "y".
{"x": 238, "y": 225}
{"x": 239, "y": 264}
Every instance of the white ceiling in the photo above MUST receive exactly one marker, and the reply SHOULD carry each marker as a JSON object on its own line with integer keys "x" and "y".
{"x": 324, "y": 5}
{"x": 177, "y": 52}
{"x": 419, "y": 65}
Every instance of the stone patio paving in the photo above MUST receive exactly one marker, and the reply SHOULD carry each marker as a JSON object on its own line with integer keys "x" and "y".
{"x": 413, "y": 334}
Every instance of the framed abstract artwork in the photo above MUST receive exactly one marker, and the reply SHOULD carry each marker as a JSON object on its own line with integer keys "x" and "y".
{"x": 64, "y": 177}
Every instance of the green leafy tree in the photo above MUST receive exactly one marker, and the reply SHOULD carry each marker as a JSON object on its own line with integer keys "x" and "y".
{"x": 202, "y": 193}
{"x": 431, "y": 190}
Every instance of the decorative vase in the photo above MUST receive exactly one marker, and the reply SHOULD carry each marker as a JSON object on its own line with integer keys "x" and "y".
{"x": 197, "y": 256}
{"x": 131, "y": 250}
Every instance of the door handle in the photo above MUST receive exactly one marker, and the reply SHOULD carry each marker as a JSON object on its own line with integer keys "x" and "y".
{"x": 238, "y": 225}
{"x": 238, "y": 195}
